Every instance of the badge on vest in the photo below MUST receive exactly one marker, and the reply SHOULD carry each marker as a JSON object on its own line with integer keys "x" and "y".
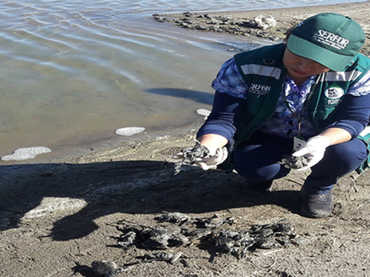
{"x": 259, "y": 89}
{"x": 298, "y": 143}
{"x": 334, "y": 94}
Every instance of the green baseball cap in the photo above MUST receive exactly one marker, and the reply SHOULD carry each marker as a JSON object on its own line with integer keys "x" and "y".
{"x": 328, "y": 38}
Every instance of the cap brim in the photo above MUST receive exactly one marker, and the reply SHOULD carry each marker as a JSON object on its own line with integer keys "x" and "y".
{"x": 309, "y": 50}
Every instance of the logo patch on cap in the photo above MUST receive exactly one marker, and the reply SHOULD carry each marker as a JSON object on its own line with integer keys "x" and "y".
{"x": 331, "y": 39}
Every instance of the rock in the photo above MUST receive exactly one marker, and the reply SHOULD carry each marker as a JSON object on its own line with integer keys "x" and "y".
{"x": 265, "y": 22}
{"x": 201, "y": 27}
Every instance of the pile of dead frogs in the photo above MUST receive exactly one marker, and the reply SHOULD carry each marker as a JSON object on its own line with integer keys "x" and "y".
{"x": 181, "y": 230}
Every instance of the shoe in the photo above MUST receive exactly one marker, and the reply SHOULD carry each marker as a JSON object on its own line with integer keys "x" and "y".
{"x": 317, "y": 205}
{"x": 252, "y": 188}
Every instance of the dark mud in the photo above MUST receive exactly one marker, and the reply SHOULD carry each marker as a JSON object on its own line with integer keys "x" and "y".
{"x": 59, "y": 218}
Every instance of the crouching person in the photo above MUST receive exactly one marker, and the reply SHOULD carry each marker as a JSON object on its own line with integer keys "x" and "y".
{"x": 308, "y": 97}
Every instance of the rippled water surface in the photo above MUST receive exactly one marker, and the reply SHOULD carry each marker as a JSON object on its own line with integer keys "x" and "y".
{"x": 75, "y": 71}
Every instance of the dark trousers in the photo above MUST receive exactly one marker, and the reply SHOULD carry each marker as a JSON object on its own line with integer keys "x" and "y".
{"x": 257, "y": 161}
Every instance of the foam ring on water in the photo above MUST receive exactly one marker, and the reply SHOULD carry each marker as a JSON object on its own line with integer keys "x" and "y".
{"x": 129, "y": 131}
{"x": 26, "y": 153}
{"x": 204, "y": 112}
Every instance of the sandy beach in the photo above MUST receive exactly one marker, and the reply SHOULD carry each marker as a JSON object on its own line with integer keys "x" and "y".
{"x": 57, "y": 218}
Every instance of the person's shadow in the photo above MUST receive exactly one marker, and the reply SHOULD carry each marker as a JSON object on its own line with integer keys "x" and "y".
{"x": 134, "y": 187}
{"x": 194, "y": 95}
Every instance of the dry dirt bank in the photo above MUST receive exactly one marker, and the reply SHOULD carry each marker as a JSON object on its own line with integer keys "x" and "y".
{"x": 241, "y": 23}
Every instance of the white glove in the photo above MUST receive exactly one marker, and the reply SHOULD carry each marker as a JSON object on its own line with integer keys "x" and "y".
{"x": 203, "y": 157}
{"x": 313, "y": 150}
{"x": 212, "y": 161}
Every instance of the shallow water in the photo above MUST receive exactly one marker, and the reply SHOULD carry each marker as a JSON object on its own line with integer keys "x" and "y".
{"x": 75, "y": 71}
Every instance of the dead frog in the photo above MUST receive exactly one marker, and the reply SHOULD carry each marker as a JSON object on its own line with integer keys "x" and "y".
{"x": 235, "y": 243}
{"x": 212, "y": 222}
{"x": 105, "y": 268}
{"x": 127, "y": 239}
{"x": 259, "y": 236}
{"x": 293, "y": 162}
{"x": 163, "y": 256}
{"x": 175, "y": 217}
{"x": 267, "y": 235}
{"x": 161, "y": 238}
{"x": 190, "y": 155}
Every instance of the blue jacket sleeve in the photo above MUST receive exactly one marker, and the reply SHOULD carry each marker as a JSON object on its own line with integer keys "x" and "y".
{"x": 354, "y": 114}
{"x": 225, "y": 116}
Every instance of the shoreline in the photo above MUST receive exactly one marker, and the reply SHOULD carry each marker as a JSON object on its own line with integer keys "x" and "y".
{"x": 285, "y": 19}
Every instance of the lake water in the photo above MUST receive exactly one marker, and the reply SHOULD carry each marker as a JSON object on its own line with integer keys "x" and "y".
{"x": 74, "y": 71}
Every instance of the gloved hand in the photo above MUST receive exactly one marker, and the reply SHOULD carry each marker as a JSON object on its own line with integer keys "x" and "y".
{"x": 212, "y": 160}
{"x": 313, "y": 150}
{"x": 203, "y": 157}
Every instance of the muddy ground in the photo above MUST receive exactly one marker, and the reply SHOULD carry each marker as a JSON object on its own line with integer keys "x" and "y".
{"x": 57, "y": 217}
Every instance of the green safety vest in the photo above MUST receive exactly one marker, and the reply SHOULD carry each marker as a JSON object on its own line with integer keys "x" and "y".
{"x": 264, "y": 73}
